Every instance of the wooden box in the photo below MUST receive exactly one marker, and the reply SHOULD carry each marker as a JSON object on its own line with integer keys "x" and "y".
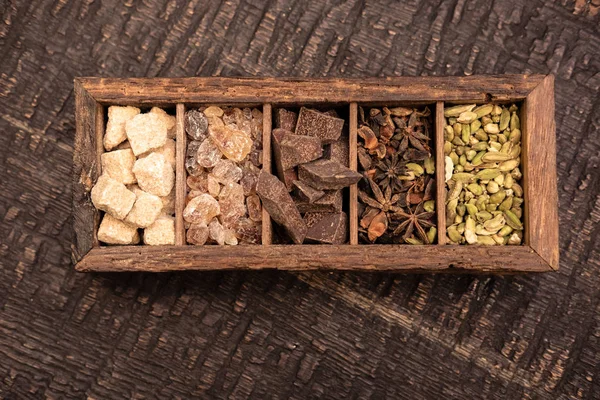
{"x": 534, "y": 92}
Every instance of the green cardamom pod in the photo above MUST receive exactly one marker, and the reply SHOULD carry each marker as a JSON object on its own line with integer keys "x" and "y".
{"x": 515, "y": 136}
{"x": 515, "y": 123}
{"x": 431, "y": 234}
{"x": 481, "y": 135}
{"x": 486, "y": 240}
{"x": 429, "y": 206}
{"x": 470, "y": 235}
{"x": 466, "y": 133}
{"x": 504, "y": 119}
{"x": 471, "y": 209}
{"x": 509, "y": 165}
{"x": 483, "y": 110}
{"x": 462, "y": 177}
{"x": 480, "y": 146}
{"x": 506, "y": 230}
{"x": 494, "y": 156}
{"x": 497, "y": 197}
{"x": 466, "y": 117}
{"x": 512, "y": 220}
{"x": 453, "y": 234}
{"x": 506, "y": 204}
{"x": 448, "y": 133}
{"x": 457, "y": 110}
{"x": 488, "y": 174}
{"x": 491, "y": 129}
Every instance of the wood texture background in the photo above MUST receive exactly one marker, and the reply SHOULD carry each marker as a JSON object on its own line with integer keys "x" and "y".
{"x": 277, "y": 334}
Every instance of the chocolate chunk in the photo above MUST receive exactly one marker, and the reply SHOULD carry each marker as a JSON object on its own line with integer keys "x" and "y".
{"x": 339, "y": 151}
{"x": 315, "y": 123}
{"x": 332, "y": 113}
{"x": 285, "y": 119}
{"x": 305, "y": 193}
{"x": 327, "y": 174}
{"x": 280, "y": 206}
{"x": 331, "y": 202}
{"x": 288, "y": 177}
{"x": 326, "y": 228}
{"x": 291, "y": 150}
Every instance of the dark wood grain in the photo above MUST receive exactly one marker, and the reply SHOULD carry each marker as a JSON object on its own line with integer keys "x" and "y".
{"x": 276, "y": 334}
{"x": 440, "y": 175}
{"x": 473, "y": 259}
{"x": 180, "y": 174}
{"x": 353, "y": 163}
{"x": 291, "y": 91}
{"x": 539, "y": 172}
{"x": 86, "y": 169}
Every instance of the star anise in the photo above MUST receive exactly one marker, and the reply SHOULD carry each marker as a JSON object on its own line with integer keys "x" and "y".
{"x": 414, "y": 132}
{"x": 411, "y": 221}
{"x": 385, "y": 202}
{"x": 418, "y": 190}
{"x": 397, "y": 187}
{"x": 387, "y": 173}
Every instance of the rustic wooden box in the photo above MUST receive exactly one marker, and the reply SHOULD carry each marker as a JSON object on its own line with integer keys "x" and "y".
{"x": 534, "y": 92}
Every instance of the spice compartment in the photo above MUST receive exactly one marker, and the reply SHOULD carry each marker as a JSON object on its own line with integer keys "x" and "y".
{"x": 535, "y": 92}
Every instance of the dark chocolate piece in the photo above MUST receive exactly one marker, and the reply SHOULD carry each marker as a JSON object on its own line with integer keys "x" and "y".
{"x": 291, "y": 150}
{"x": 327, "y": 174}
{"x": 315, "y": 123}
{"x": 305, "y": 193}
{"x": 339, "y": 151}
{"x": 280, "y": 206}
{"x": 331, "y": 202}
{"x": 326, "y": 228}
{"x": 285, "y": 119}
{"x": 288, "y": 177}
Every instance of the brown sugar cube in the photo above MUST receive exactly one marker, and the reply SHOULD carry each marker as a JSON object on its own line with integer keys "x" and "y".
{"x": 146, "y": 132}
{"x": 113, "y": 231}
{"x": 145, "y": 211}
{"x": 112, "y": 196}
{"x": 169, "y": 120}
{"x": 115, "y": 128}
{"x": 154, "y": 174}
{"x": 118, "y": 164}
{"x": 161, "y": 232}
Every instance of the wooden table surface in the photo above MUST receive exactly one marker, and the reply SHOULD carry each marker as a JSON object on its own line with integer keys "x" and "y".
{"x": 285, "y": 335}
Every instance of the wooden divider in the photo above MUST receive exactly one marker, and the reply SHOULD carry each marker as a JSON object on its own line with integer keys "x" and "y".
{"x": 267, "y": 235}
{"x": 99, "y": 122}
{"x": 180, "y": 176}
{"x": 353, "y": 166}
{"x": 440, "y": 180}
